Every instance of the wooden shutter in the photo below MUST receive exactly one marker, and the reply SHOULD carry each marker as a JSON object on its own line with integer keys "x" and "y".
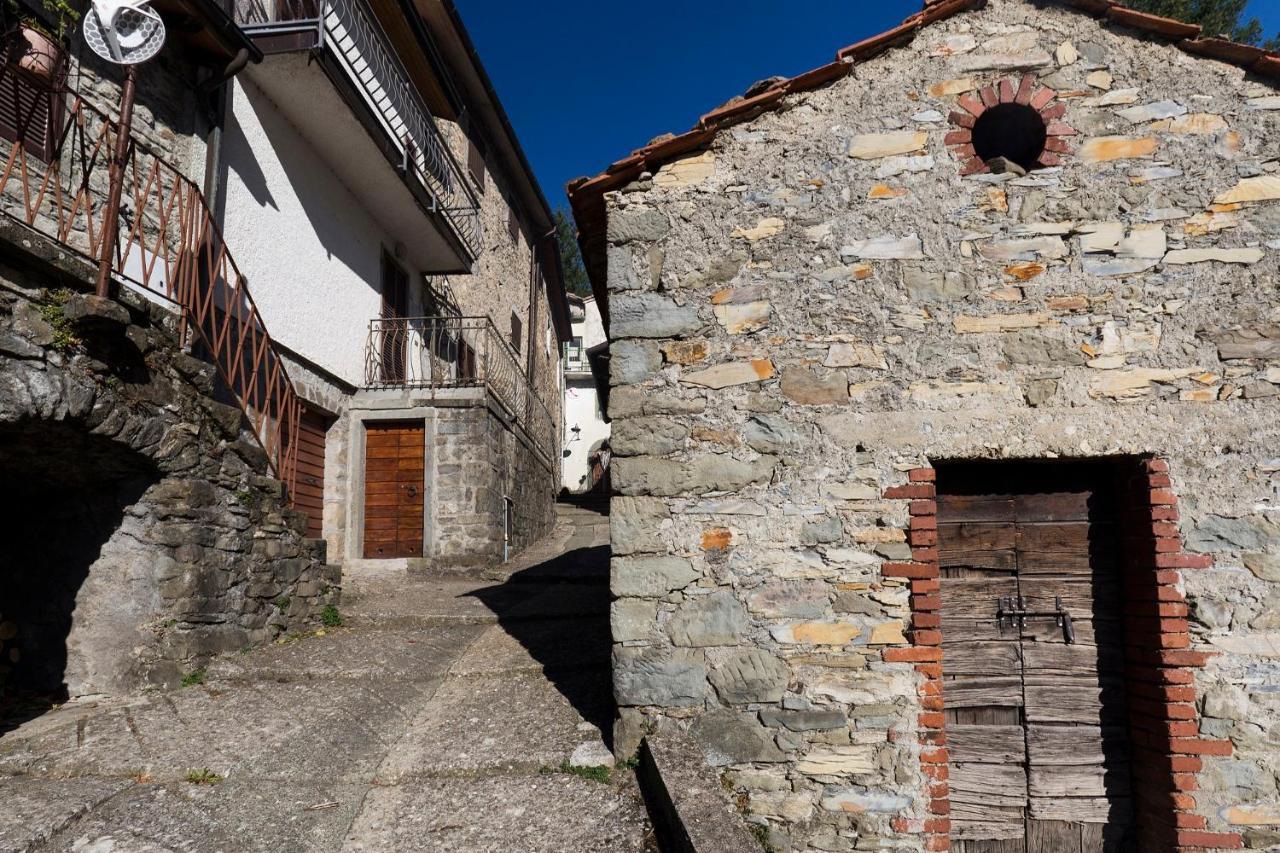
{"x": 29, "y": 114}
{"x": 475, "y": 163}
{"x": 513, "y": 224}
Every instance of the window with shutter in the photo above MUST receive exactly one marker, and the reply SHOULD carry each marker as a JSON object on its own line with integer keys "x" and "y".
{"x": 29, "y": 114}
{"x": 513, "y": 225}
{"x": 475, "y": 163}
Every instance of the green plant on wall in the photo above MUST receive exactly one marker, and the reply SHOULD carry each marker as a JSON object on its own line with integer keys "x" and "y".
{"x": 60, "y": 17}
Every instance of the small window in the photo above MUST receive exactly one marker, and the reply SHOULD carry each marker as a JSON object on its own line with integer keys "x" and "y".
{"x": 30, "y": 114}
{"x": 475, "y": 162}
{"x": 1015, "y": 132}
{"x": 517, "y": 331}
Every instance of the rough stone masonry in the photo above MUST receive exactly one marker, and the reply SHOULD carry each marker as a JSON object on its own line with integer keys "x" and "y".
{"x": 836, "y": 292}
{"x": 142, "y": 533}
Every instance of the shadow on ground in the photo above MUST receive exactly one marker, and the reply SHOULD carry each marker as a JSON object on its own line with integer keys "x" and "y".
{"x": 558, "y": 610}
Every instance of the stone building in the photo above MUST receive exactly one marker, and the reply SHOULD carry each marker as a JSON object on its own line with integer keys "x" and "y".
{"x": 403, "y": 257}
{"x": 945, "y": 424}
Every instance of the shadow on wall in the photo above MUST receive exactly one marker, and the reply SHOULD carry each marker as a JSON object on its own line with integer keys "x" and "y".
{"x": 558, "y": 611}
{"x": 67, "y": 494}
{"x": 325, "y": 202}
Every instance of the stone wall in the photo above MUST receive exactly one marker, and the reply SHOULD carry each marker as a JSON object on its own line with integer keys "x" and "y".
{"x": 478, "y": 461}
{"x": 819, "y": 303}
{"x": 141, "y": 533}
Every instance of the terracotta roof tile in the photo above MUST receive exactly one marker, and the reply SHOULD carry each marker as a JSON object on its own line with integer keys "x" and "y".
{"x": 1228, "y": 51}
{"x": 1167, "y": 27}
{"x": 869, "y": 47}
{"x": 819, "y": 76}
{"x": 734, "y": 109}
{"x": 586, "y": 195}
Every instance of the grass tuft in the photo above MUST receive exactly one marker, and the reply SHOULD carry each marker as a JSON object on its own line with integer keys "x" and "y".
{"x": 330, "y": 617}
{"x": 595, "y": 774}
{"x": 203, "y": 776}
{"x": 194, "y": 677}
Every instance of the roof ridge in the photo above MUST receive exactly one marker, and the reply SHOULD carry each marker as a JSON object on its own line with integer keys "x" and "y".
{"x": 585, "y": 192}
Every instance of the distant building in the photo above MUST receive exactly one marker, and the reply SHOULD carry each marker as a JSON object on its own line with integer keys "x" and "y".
{"x": 586, "y": 432}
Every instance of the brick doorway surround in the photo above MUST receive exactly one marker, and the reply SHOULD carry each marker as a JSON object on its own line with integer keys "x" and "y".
{"x": 1160, "y": 690}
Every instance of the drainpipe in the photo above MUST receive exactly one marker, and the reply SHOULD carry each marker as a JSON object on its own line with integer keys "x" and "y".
{"x": 508, "y": 510}
{"x": 218, "y": 93}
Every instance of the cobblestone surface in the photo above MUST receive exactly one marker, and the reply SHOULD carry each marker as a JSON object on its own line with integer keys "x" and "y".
{"x": 443, "y": 716}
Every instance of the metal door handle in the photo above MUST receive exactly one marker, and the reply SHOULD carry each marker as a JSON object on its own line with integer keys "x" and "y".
{"x": 1012, "y": 610}
{"x": 412, "y": 490}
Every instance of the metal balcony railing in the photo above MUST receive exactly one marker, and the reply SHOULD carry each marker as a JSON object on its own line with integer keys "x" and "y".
{"x": 457, "y": 352}
{"x": 575, "y": 358}
{"x": 168, "y": 245}
{"x": 357, "y": 41}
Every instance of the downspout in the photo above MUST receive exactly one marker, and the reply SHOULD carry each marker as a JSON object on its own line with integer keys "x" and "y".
{"x": 216, "y": 90}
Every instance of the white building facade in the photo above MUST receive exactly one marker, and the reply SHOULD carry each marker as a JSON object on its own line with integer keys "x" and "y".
{"x": 398, "y": 244}
{"x": 586, "y": 432}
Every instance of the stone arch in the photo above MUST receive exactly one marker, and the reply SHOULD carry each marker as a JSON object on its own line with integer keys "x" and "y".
{"x": 144, "y": 533}
{"x": 1016, "y": 99}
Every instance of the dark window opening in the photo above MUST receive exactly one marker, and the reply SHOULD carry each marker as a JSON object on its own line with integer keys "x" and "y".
{"x": 1013, "y": 131}
{"x": 475, "y": 162}
{"x": 395, "y": 328}
{"x": 513, "y": 224}
{"x": 517, "y": 330}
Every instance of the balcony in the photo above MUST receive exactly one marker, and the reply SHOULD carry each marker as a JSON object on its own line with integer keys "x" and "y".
{"x": 575, "y": 359}
{"x": 363, "y": 70}
{"x": 430, "y": 353}
{"x": 54, "y": 180}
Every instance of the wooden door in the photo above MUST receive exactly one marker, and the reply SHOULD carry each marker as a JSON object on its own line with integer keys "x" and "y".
{"x": 309, "y": 488}
{"x": 1036, "y": 725}
{"x": 393, "y": 483}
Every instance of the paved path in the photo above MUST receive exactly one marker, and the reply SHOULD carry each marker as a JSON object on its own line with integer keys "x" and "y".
{"x": 439, "y": 718}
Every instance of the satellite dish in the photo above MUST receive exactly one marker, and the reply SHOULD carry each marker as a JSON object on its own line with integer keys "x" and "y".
{"x": 125, "y": 32}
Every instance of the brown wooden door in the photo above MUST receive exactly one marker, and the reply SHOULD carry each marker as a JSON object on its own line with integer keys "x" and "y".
{"x": 309, "y": 488}
{"x": 1035, "y": 725}
{"x": 393, "y": 482}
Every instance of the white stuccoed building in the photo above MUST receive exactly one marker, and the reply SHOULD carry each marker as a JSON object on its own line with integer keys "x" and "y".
{"x": 586, "y": 432}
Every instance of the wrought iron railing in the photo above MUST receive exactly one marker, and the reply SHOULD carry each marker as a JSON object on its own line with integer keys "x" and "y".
{"x": 575, "y": 357}
{"x": 168, "y": 245}
{"x": 457, "y": 352}
{"x": 351, "y": 32}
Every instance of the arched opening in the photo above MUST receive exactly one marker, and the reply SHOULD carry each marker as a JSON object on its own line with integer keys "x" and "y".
{"x": 68, "y": 493}
{"x": 1013, "y": 131}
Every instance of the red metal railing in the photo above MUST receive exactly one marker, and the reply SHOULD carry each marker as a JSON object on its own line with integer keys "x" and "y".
{"x": 169, "y": 245}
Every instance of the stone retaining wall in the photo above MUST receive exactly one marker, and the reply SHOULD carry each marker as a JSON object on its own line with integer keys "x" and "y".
{"x": 142, "y": 532}
{"x": 820, "y": 302}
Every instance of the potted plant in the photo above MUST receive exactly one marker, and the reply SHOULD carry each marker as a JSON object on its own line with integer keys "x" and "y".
{"x": 39, "y": 42}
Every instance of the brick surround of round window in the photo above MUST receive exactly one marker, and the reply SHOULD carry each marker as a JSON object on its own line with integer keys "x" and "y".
{"x": 1026, "y": 92}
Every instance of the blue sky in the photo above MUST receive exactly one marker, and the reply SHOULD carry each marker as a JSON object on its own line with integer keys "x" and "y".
{"x": 585, "y": 83}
